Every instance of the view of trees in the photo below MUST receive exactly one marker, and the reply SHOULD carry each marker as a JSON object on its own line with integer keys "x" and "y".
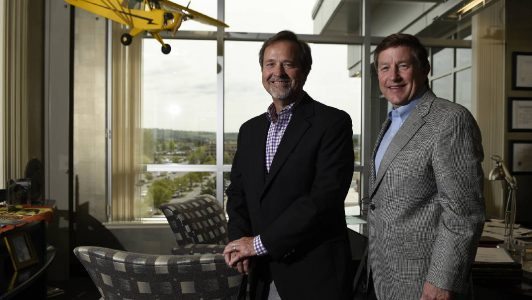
{"x": 165, "y": 146}
{"x": 167, "y": 188}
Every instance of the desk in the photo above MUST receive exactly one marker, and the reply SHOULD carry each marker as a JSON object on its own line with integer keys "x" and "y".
{"x": 30, "y": 281}
{"x": 22, "y": 215}
{"x": 498, "y": 289}
{"x": 500, "y": 278}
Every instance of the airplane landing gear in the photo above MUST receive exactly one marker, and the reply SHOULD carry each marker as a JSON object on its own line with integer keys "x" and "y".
{"x": 166, "y": 49}
{"x": 126, "y": 39}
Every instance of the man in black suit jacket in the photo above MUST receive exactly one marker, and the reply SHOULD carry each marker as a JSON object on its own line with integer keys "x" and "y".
{"x": 290, "y": 176}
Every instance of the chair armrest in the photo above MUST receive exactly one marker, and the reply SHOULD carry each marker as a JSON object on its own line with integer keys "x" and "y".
{"x": 191, "y": 249}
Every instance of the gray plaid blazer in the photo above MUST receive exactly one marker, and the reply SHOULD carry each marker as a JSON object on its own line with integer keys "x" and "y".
{"x": 426, "y": 203}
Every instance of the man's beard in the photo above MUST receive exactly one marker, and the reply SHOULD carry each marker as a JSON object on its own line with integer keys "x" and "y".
{"x": 280, "y": 93}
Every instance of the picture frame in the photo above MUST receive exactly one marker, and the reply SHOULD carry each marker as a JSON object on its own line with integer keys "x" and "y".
{"x": 521, "y": 157}
{"x": 19, "y": 278}
{"x": 522, "y": 70}
{"x": 520, "y": 114}
{"x": 21, "y": 250}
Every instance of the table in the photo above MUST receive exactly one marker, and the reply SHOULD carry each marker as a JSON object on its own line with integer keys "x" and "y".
{"x": 23, "y": 214}
{"x": 497, "y": 277}
{"x": 29, "y": 281}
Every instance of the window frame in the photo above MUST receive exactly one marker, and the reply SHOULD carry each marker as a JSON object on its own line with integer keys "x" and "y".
{"x": 368, "y": 131}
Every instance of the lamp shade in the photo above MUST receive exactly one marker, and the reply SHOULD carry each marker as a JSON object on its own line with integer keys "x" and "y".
{"x": 500, "y": 172}
{"x": 497, "y": 173}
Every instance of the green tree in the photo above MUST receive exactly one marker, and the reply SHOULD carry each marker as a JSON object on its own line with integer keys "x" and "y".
{"x": 209, "y": 187}
{"x": 148, "y": 146}
{"x": 148, "y": 176}
{"x": 161, "y": 191}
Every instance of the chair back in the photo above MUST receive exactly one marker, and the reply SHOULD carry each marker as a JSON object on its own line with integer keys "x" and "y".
{"x": 127, "y": 275}
{"x": 200, "y": 220}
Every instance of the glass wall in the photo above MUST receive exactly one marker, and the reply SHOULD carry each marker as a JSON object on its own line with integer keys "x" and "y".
{"x": 451, "y": 74}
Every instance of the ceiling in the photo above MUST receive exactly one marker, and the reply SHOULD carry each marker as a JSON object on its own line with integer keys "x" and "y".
{"x": 424, "y": 18}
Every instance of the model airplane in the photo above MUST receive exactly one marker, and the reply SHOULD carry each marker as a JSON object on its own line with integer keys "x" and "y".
{"x": 152, "y": 16}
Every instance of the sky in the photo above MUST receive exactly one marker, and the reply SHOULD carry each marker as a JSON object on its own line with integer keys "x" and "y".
{"x": 180, "y": 89}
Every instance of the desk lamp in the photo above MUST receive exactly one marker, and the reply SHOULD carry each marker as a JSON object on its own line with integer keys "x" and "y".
{"x": 500, "y": 172}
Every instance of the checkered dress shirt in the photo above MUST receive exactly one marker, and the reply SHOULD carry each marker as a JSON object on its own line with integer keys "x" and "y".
{"x": 278, "y": 123}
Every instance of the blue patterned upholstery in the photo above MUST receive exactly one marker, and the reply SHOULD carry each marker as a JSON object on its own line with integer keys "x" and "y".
{"x": 126, "y": 275}
{"x": 200, "y": 220}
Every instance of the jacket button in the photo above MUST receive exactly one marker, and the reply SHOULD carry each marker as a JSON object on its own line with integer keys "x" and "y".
{"x": 372, "y": 206}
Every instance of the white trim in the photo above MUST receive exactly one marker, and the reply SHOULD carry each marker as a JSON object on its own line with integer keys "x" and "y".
{"x": 180, "y": 168}
{"x": 220, "y": 130}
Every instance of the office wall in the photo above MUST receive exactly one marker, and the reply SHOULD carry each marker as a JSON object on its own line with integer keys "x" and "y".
{"x": 498, "y": 31}
{"x": 89, "y": 108}
{"x": 89, "y": 136}
{"x": 57, "y": 139}
{"x": 488, "y": 88}
{"x": 519, "y": 39}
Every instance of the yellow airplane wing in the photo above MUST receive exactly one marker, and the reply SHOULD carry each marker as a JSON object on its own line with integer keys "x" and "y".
{"x": 110, "y": 9}
{"x": 191, "y": 14}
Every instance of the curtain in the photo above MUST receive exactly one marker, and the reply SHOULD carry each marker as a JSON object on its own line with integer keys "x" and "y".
{"x": 126, "y": 125}
{"x": 15, "y": 89}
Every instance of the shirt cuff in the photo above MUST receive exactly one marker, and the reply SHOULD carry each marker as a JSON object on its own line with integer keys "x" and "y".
{"x": 258, "y": 246}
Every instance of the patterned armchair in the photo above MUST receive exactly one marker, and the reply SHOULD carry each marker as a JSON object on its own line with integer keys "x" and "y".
{"x": 199, "y": 225}
{"x": 126, "y": 275}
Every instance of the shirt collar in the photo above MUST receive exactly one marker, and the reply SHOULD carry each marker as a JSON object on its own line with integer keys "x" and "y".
{"x": 272, "y": 114}
{"x": 404, "y": 111}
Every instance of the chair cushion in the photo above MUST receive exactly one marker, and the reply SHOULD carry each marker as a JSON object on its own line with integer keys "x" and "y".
{"x": 198, "y": 249}
{"x": 200, "y": 220}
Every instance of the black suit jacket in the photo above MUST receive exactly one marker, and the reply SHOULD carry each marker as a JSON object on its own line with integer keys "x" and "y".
{"x": 298, "y": 207}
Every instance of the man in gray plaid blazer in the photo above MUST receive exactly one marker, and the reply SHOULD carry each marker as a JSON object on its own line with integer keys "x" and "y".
{"x": 426, "y": 210}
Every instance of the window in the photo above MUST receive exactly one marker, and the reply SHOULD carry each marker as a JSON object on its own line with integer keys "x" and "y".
{"x": 179, "y": 103}
{"x": 180, "y": 109}
{"x": 463, "y": 88}
{"x": 443, "y": 87}
{"x": 442, "y": 61}
{"x": 451, "y": 74}
{"x": 328, "y": 82}
{"x": 277, "y": 15}
{"x": 244, "y": 95}
{"x": 178, "y": 123}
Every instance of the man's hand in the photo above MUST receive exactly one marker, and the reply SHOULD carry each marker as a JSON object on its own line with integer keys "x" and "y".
{"x": 237, "y": 254}
{"x": 431, "y": 292}
{"x": 242, "y": 266}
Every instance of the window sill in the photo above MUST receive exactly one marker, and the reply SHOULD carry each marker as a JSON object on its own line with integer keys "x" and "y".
{"x": 158, "y": 222}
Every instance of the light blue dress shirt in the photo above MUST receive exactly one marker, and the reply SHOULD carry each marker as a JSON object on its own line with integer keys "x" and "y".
{"x": 398, "y": 116}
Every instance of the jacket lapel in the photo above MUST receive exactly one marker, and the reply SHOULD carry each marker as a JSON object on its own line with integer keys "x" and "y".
{"x": 403, "y": 136}
{"x": 297, "y": 127}
{"x": 384, "y": 127}
{"x": 259, "y": 149}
